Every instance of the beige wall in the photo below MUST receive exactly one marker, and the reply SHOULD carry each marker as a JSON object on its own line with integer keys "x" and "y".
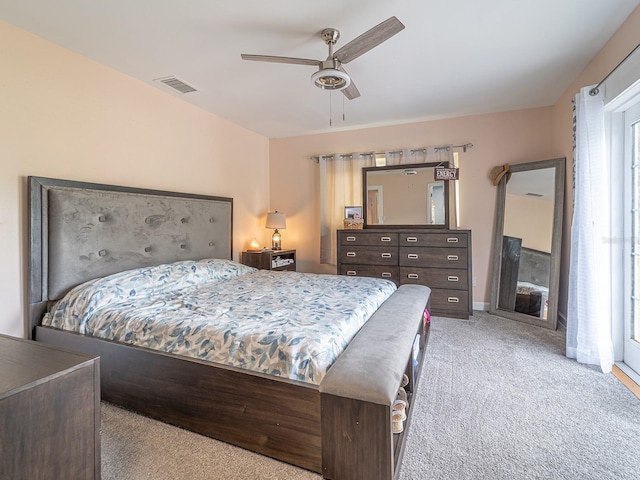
{"x": 65, "y": 116}
{"x": 512, "y": 137}
{"x": 530, "y": 219}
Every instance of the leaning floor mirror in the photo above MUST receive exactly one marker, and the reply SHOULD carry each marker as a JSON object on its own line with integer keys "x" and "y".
{"x": 527, "y": 243}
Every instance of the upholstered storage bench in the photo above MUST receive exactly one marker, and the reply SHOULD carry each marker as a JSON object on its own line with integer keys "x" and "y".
{"x": 357, "y": 440}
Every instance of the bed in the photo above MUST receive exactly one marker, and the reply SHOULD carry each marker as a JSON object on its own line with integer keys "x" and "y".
{"x": 532, "y": 290}
{"x": 337, "y": 424}
{"x": 524, "y": 279}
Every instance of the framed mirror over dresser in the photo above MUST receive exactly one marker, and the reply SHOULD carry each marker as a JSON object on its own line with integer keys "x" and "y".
{"x": 406, "y": 237}
{"x": 405, "y": 195}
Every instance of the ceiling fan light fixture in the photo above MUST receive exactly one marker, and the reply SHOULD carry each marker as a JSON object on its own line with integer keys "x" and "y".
{"x": 330, "y": 79}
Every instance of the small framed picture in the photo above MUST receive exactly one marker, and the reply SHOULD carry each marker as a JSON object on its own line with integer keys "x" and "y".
{"x": 353, "y": 212}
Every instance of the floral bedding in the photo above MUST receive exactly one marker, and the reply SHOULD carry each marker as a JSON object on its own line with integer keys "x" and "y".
{"x": 287, "y": 324}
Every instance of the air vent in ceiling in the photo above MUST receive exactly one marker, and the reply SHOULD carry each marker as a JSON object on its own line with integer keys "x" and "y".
{"x": 176, "y": 84}
{"x": 534, "y": 194}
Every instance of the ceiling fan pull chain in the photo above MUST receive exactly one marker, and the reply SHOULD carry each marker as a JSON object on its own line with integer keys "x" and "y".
{"x": 330, "y": 110}
{"x": 343, "y": 108}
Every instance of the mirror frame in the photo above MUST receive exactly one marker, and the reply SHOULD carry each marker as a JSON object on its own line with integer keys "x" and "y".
{"x": 556, "y": 244}
{"x": 447, "y": 200}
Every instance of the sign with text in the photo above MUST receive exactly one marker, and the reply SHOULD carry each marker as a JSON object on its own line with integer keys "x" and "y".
{"x": 442, "y": 173}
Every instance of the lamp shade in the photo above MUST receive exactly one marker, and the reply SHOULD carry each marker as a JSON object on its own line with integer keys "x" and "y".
{"x": 276, "y": 220}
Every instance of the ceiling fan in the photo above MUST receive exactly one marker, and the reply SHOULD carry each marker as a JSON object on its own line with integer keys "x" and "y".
{"x": 331, "y": 75}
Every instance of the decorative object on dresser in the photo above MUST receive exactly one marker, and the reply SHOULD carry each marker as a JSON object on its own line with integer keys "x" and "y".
{"x": 49, "y": 412}
{"x": 439, "y": 259}
{"x": 270, "y": 260}
{"x": 276, "y": 220}
{"x": 353, "y": 218}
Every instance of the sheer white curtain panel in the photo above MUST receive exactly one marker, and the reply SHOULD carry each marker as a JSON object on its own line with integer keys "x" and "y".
{"x": 589, "y": 297}
{"x": 340, "y": 186}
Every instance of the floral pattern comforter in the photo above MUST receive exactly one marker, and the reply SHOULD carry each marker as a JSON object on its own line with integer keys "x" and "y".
{"x": 287, "y": 324}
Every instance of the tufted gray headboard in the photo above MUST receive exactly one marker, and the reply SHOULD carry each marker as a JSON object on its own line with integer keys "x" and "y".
{"x": 80, "y": 231}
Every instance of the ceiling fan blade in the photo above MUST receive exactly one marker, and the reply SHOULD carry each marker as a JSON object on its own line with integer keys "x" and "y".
{"x": 351, "y": 91}
{"x": 270, "y": 58}
{"x": 369, "y": 40}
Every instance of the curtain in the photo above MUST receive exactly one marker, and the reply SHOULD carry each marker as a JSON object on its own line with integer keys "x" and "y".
{"x": 341, "y": 186}
{"x": 589, "y": 297}
{"x": 422, "y": 155}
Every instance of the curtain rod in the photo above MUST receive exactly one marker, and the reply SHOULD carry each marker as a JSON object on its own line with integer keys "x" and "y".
{"x": 595, "y": 90}
{"x": 463, "y": 146}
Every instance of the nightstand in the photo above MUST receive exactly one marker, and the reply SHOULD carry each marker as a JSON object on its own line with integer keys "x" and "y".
{"x": 49, "y": 412}
{"x": 271, "y": 260}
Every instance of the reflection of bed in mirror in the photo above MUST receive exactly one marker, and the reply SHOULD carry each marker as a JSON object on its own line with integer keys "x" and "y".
{"x": 532, "y": 295}
{"x": 524, "y": 278}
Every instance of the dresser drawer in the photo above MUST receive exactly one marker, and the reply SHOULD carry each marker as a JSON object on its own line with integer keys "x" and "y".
{"x": 445, "y": 301}
{"x": 369, "y": 255}
{"x": 438, "y": 257}
{"x": 451, "y": 278}
{"x": 359, "y": 237}
{"x": 452, "y": 239}
{"x": 375, "y": 271}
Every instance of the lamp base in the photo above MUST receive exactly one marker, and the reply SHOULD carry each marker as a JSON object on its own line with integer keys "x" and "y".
{"x": 276, "y": 241}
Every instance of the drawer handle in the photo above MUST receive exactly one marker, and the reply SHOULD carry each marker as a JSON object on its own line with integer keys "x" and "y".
{"x": 385, "y": 255}
{"x": 412, "y": 239}
{"x": 450, "y": 257}
{"x": 412, "y": 255}
{"x": 386, "y": 275}
{"x": 385, "y": 239}
{"x": 413, "y": 276}
{"x": 453, "y": 299}
{"x": 351, "y": 239}
{"x": 351, "y": 273}
{"x": 452, "y": 239}
{"x": 351, "y": 254}
{"x": 452, "y": 278}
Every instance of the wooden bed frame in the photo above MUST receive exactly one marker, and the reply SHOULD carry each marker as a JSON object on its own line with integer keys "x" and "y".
{"x": 341, "y": 428}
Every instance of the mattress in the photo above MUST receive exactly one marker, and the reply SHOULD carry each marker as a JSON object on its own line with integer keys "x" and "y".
{"x": 287, "y": 324}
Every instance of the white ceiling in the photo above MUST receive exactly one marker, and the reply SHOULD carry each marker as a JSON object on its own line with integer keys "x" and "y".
{"x": 540, "y": 183}
{"x": 453, "y": 58}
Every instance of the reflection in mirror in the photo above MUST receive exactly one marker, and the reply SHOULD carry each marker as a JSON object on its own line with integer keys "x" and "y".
{"x": 405, "y": 195}
{"x": 527, "y": 242}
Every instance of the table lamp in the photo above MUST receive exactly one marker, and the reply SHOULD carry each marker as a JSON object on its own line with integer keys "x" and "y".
{"x": 276, "y": 220}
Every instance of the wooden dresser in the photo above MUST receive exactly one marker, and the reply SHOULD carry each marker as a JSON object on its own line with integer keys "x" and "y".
{"x": 439, "y": 259}
{"x": 49, "y": 412}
